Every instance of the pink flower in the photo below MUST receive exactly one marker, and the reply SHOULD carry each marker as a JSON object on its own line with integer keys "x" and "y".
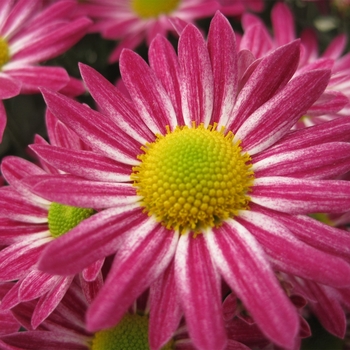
{"x": 27, "y": 224}
{"x": 131, "y": 22}
{"x": 334, "y": 102}
{"x": 29, "y": 35}
{"x": 200, "y": 180}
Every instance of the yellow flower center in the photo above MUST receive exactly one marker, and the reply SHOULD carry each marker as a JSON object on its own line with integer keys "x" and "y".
{"x": 4, "y": 52}
{"x": 62, "y": 218}
{"x": 193, "y": 178}
{"x": 153, "y": 8}
{"x": 131, "y": 333}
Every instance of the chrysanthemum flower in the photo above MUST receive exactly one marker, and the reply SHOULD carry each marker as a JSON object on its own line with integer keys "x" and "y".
{"x": 27, "y": 224}
{"x": 132, "y": 21}
{"x": 29, "y": 35}
{"x": 200, "y": 179}
{"x": 334, "y": 102}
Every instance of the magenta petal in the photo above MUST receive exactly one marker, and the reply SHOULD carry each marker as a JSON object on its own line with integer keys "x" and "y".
{"x": 164, "y": 301}
{"x": 3, "y": 120}
{"x": 86, "y": 164}
{"x": 283, "y": 24}
{"x": 198, "y": 285}
{"x": 93, "y": 239}
{"x": 223, "y": 55}
{"x": 47, "y": 303}
{"x": 270, "y": 122}
{"x": 94, "y": 128}
{"x": 9, "y": 87}
{"x": 163, "y": 60}
{"x": 197, "y": 85}
{"x": 148, "y": 94}
{"x": 70, "y": 190}
{"x": 115, "y": 105}
{"x": 293, "y": 256}
{"x": 329, "y": 102}
{"x": 245, "y": 268}
{"x": 143, "y": 256}
{"x": 301, "y": 196}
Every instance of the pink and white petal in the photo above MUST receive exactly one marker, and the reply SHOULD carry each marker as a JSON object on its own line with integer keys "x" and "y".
{"x": 8, "y": 323}
{"x": 313, "y": 232}
{"x": 5, "y": 9}
{"x": 16, "y": 207}
{"x": 86, "y": 164}
{"x": 141, "y": 259}
{"x": 293, "y": 256}
{"x": 35, "y": 284}
{"x": 283, "y": 24}
{"x": 94, "y": 128}
{"x": 245, "y": 60}
{"x": 329, "y": 102}
{"x": 301, "y": 196}
{"x": 147, "y": 93}
{"x": 274, "y": 118}
{"x": 92, "y": 288}
{"x": 53, "y": 43}
{"x": 20, "y": 12}
{"x": 196, "y": 77}
{"x": 92, "y": 240}
{"x": 91, "y": 272}
{"x": 3, "y": 120}
{"x": 276, "y": 68}
{"x": 9, "y": 86}
{"x": 337, "y": 130}
{"x": 198, "y": 286}
{"x": 33, "y": 78}
{"x": 327, "y": 160}
{"x": 164, "y": 301}
{"x": 10, "y": 299}
{"x": 47, "y": 303}
{"x": 164, "y": 62}
{"x": 244, "y": 266}
{"x": 224, "y": 61}
{"x": 327, "y": 309}
{"x": 115, "y": 105}
{"x": 336, "y": 47}
{"x": 18, "y": 259}
{"x": 74, "y": 191}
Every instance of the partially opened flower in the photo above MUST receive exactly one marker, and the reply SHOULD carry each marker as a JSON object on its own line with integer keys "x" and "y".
{"x": 334, "y": 102}
{"x": 200, "y": 179}
{"x": 133, "y": 21}
{"x": 30, "y": 34}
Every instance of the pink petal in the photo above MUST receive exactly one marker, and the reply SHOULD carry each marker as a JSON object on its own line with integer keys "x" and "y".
{"x": 273, "y": 119}
{"x": 74, "y": 191}
{"x": 93, "y": 239}
{"x": 223, "y": 56}
{"x": 164, "y": 62}
{"x": 94, "y": 128}
{"x": 245, "y": 268}
{"x": 336, "y": 47}
{"x": 197, "y": 88}
{"x": 293, "y": 256}
{"x": 149, "y": 96}
{"x": 3, "y": 120}
{"x": 329, "y": 102}
{"x": 86, "y": 164}
{"x": 9, "y": 87}
{"x": 302, "y": 196}
{"x": 115, "y": 105}
{"x": 198, "y": 285}
{"x": 164, "y": 301}
{"x": 276, "y": 68}
{"x": 33, "y": 78}
{"x": 144, "y": 255}
{"x": 283, "y": 24}
{"x": 91, "y": 272}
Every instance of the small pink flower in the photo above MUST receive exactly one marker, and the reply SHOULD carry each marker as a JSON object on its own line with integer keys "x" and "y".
{"x": 30, "y": 34}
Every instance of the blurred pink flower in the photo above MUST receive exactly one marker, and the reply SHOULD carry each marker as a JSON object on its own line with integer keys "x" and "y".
{"x": 30, "y": 34}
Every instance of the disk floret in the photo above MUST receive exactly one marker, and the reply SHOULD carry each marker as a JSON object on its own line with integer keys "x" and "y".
{"x": 153, "y": 8}
{"x": 193, "y": 178}
{"x": 4, "y": 52}
{"x": 62, "y": 218}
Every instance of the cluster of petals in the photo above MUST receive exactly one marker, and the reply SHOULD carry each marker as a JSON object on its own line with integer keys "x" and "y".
{"x": 206, "y": 82}
{"x": 116, "y": 20}
{"x": 35, "y": 33}
{"x": 334, "y": 102}
{"x": 24, "y": 234}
